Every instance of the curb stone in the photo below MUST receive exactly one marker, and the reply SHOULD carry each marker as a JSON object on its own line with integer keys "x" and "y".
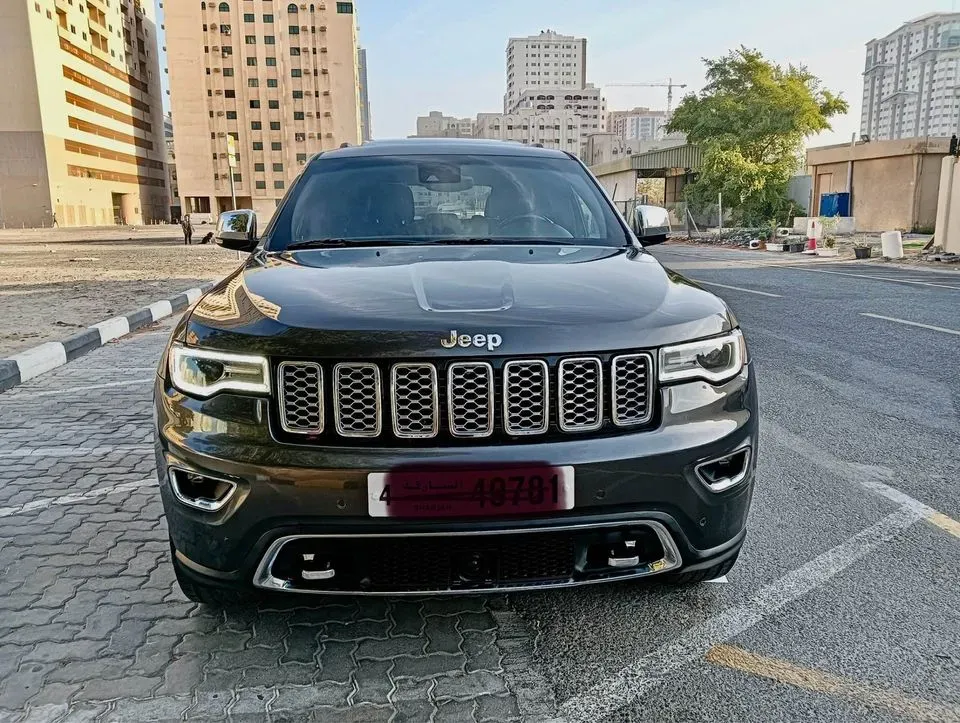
{"x": 38, "y": 360}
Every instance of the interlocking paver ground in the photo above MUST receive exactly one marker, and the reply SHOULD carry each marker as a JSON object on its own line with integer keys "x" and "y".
{"x": 92, "y": 623}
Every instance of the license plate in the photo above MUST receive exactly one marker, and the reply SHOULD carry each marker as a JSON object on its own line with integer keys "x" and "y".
{"x": 470, "y": 493}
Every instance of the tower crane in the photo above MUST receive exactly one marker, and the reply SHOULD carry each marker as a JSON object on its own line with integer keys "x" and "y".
{"x": 669, "y": 85}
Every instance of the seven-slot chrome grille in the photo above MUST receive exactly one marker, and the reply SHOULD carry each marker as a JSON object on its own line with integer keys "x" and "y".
{"x": 468, "y": 399}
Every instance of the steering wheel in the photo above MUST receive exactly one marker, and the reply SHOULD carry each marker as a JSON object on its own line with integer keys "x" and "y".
{"x": 505, "y": 225}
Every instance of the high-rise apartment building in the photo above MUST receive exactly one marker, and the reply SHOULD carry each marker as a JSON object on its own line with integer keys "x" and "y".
{"x": 547, "y": 60}
{"x": 437, "y": 125}
{"x": 282, "y": 79}
{"x": 641, "y": 124}
{"x": 81, "y": 131}
{"x": 910, "y": 80}
{"x": 173, "y": 185}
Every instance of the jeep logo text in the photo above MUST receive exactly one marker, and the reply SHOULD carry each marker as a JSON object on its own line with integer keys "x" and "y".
{"x": 488, "y": 341}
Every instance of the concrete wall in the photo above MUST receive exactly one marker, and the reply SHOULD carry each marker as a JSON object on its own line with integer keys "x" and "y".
{"x": 947, "y": 231}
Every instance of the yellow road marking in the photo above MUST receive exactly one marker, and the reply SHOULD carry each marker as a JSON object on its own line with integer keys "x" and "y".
{"x": 947, "y": 523}
{"x": 820, "y": 682}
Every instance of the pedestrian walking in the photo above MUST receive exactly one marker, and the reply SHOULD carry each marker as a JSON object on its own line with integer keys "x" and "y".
{"x": 55, "y": 221}
{"x": 187, "y": 230}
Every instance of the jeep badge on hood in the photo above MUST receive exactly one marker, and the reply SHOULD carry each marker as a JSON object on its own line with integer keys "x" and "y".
{"x": 490, "y": 341}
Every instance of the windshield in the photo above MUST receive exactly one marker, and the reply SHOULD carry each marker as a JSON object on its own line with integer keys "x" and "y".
{"x": 434, "y": 198}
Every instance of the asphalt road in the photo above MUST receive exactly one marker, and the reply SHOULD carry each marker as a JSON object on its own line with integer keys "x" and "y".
{"x": 845, "y": 604}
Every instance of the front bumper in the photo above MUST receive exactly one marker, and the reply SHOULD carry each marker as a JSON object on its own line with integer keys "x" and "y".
{"x": 629, "y": 486}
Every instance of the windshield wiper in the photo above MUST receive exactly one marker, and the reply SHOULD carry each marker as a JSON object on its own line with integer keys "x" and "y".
{"x": 334, "y": 243}
{"x": 340, "y": 243}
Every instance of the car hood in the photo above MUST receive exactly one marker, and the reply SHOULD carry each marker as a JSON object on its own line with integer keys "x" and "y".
{"x": 393, "y": 302}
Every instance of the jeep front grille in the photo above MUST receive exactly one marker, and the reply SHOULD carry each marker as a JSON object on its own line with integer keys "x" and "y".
{"x": 301, "y": 397}
{"x": 526, "y": 397}
{"x": 415, "y": 401}
{"x": 581, "y": 394}
{"x": 630, "y": 392}
{"x": 356, "y": 399}
{"x": 519, "y": 399}
{"x": 470, "y": 399}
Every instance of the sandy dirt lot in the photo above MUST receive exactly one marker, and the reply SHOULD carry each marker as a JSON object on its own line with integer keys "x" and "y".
{"x": 56, "y": 282}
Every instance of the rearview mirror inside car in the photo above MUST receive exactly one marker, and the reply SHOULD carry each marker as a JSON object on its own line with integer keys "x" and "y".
{"x": 237, "y": 230}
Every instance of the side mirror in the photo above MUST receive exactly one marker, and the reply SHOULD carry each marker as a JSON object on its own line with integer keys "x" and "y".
{"x": 651, "y": 224}
{"x": 237, "y": 230}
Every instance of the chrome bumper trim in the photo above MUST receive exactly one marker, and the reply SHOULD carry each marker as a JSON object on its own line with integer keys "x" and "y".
{"x": 671, "y": 560}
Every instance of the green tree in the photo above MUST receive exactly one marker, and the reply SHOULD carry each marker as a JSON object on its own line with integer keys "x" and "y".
{"x": 751, "y": 120}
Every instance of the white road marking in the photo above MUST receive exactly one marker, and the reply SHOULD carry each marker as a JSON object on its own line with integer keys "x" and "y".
{"x": 912, "y": 323}
{"x": 880, "y": 278}
{"x": 635, "y": 680}
{"x": 45, "y": 502}
{"x": 49, "y": 392}
{"x": 74, "y": 451}
{"x": 738, "y": 288}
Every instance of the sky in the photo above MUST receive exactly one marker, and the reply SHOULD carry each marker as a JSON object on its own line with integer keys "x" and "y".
{"x": 450, "y": 55}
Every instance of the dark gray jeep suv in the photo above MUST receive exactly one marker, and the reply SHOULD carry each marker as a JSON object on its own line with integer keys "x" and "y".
{"x": 447, "y": 367}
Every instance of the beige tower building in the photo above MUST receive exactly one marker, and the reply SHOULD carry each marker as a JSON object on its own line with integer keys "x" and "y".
{"x": 81, "y": 129}
{"x": 281, "y": 78}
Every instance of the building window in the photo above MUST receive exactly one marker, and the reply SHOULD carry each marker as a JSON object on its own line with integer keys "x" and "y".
{"x": 254, "y": 103}
{"x": 294, "y": 30}
{"x": 271, "y": 62}
{"x": 269, "y": 40}
{"x": 292, "y": 8}
{"x": 258, "y": 145}
{"x": 278, "y": 184}
{"x": 276, "y": 146}
{"x": 272, "y": 82}
{"x": 298, "y": 115}
{"x": 345, "y": 8}
{"x": 297, "y": 94}
{"x": 299, "y": 137}
{"x": 229, "y": 94}
{"x": 253, "y": 83}
{"x": 278, "y": 168}
{"x": 261, "y": 185}
{"x": 224, "y": 8}
{"x": 228, "y": 72}
{"x": 258, "y": 167}
{"x": 256, "y": 126}
{"x": 251, "y": 61}
{"x": 274, "y": 125}
{"x": 249, "y": 17}
{"x": 273, "y": 104}
{"x": 268, "y": 18}
{"x": 250, "y": 39}
{"x": 231, "y": 115}
{"x": 296, "y": 73}
{"x": 301, "y": 158}
{"x": 294, "y": 51}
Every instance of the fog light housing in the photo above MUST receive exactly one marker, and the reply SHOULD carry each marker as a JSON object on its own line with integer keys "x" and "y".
{"x": 722, "y": 473}
{"x": 200, "y": 491}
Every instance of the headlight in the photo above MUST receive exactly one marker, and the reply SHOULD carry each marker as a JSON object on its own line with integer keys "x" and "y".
{"x": 714, "y": 360}
{"x": 203, "y": 373}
